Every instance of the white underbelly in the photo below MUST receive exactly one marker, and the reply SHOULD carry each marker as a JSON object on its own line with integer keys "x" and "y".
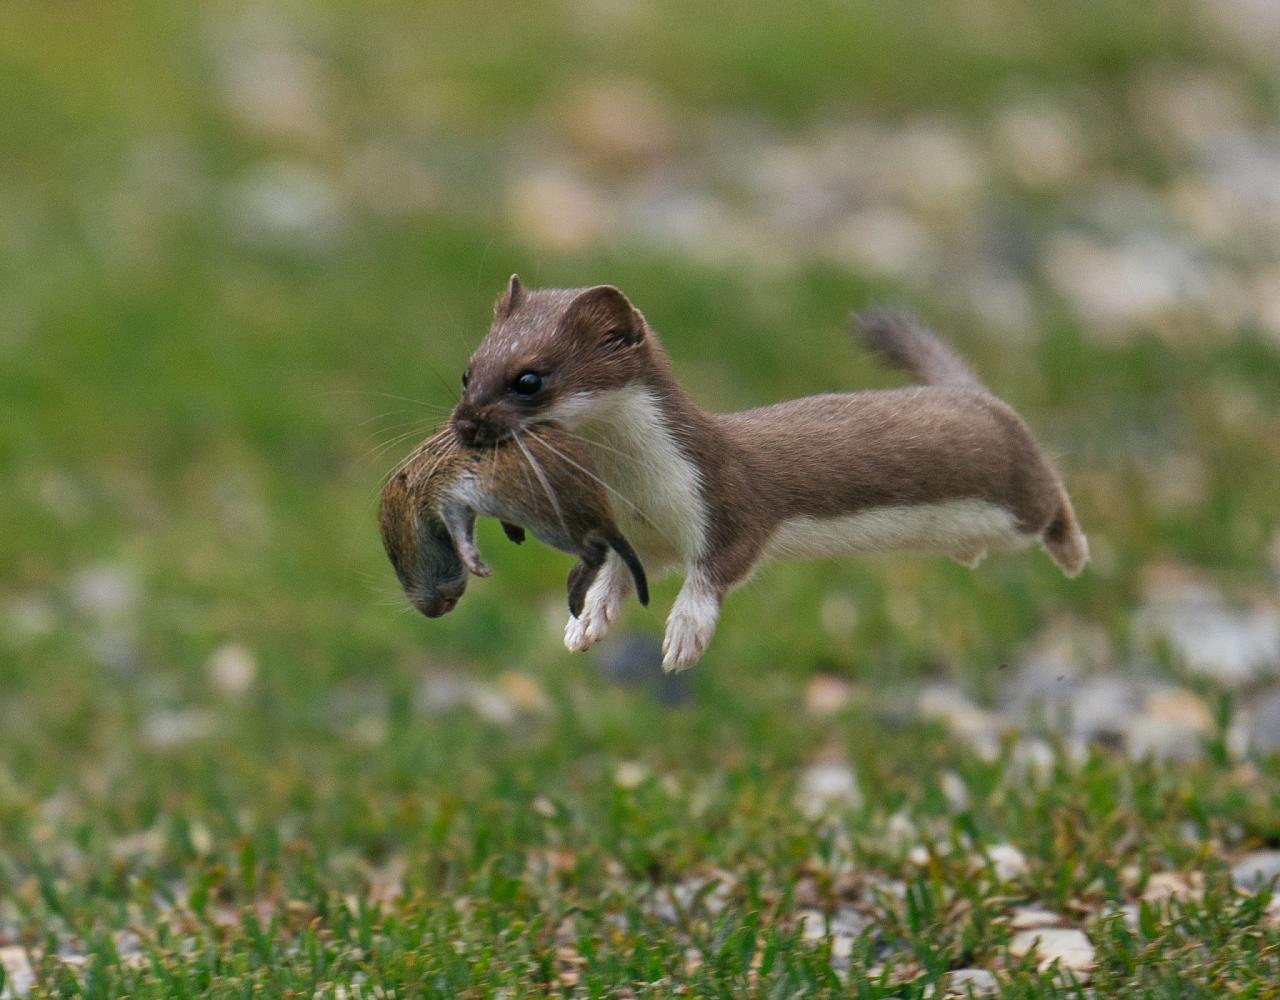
{"x": 654, "y": 489}
{"x": 656, "y": 521}
{"x": 965, "y": 529}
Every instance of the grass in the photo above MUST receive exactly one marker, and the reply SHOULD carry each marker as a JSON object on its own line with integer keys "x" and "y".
{"x": 202, "y": 420}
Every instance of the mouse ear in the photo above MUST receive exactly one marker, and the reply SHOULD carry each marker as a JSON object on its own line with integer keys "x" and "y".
{"x": 510, "y": 299}
{"x": 603, "y": 313}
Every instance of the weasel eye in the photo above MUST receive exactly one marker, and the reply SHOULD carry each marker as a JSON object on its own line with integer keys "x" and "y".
{"x": 466, "y": 377}
{"x": 527, "y": 383}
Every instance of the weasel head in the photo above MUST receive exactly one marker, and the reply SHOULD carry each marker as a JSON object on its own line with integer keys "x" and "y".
{"x": 547, "y": 351}
{"x": 415, "y": 537}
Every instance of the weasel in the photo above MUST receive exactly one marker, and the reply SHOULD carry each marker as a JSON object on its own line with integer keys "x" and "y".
{"x": 941, "y": 467}
{"x": 540, "y": 480}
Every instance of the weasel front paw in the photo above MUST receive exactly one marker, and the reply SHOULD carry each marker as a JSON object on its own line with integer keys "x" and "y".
{"x": 575, "y": 634}
{"x": 602, "y": 608}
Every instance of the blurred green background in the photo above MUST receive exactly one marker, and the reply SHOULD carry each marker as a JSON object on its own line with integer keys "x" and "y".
{"x": 245, "y": 250}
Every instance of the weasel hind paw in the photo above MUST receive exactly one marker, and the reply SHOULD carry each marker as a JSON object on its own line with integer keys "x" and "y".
{"x": 971, "y": 558}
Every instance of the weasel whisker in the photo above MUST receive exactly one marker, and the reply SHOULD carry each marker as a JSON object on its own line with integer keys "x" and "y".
{"x": 542, "y": 478}
{"x": 434, "y": 407}
{"x": 640, "y": 461}
{"x": 596, "y": 478}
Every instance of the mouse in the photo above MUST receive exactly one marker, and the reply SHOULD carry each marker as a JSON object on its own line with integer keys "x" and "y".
{"x": 539, "y": 481}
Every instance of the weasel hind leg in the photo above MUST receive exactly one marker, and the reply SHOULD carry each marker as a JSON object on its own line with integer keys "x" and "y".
{"x": 970, "y": 557}
{"x": 1064, "y": 540}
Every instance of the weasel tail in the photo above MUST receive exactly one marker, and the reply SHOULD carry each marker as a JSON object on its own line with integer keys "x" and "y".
{"x": 903, "y": 343}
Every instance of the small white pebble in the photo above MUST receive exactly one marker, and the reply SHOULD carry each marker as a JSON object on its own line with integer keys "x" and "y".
{"x": 1029, "y": 918}
{"x": 975, "y": 982}
{"x": 956, "y": 791}
{"x": 1009, "y": 862}
{"x": 30, "y": 616}
{"x": 163, "y": 729}
{"x": 1255, "y": 870}
{"x": 104, "y": 591}
{"x": 828, "y": 784}
{"x": 1070, "y": 948}
{"x": 813, "y": 925}
{"x": 232, "y": 669}
{"x": 630, "y": 774}
{"x": 20, "y": 978}
{"x": 524, "y": 692}
{"x": 827, "y": 694}
{"x": 1173, "y": 885}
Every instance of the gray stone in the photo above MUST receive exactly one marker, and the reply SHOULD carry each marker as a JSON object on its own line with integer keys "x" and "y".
{"x": 1160, "y": 739}
{"x": 948, "y": 704}
{"x": 288, "y": 204}
{"x": 1255, "y": 870}
{"x": 1135, "y": 282}
{"x": 629, "y": 658}
{"x": 105, "y": 591}
{"x": 20, "y": 978}
{"x": 1008, "y": 862}
{"x": 162, "y": 729}
{"x": 1264, "y": 730}
{"x": 1232, "y": 646}
{"x": 972, "y": 982}
{"x": 635, "y": 658}
{"x": 1030, "y": 917}
{"x": 828, "y": 785}
{"x": 1071, "y": 949}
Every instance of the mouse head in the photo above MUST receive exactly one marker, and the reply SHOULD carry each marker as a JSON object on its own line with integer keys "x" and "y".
{"x": 546, "y": 353}
{"x": 417, "y": 541}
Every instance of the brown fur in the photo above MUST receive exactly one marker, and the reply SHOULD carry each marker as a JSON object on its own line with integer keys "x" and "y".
{"x": 542, "y": 482}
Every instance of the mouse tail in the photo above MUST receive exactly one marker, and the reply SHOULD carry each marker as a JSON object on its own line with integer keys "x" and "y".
{"x": 903, "y": 343}
{"x": 627, "y": 554}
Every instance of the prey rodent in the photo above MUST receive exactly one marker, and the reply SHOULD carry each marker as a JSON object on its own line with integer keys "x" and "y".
{"x": 942, "y": 467}
{"x": 540, "y": 480}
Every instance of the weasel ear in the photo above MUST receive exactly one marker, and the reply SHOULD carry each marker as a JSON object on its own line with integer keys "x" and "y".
{"x": 510, "y": 299}
{"x": 604, "y": 313}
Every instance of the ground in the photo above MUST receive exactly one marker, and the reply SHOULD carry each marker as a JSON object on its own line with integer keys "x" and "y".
{"x": 244, "y": 252}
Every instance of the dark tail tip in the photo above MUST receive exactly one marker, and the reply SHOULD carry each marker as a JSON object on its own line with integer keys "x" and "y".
{"x": 620, "y": 545}
{"x": 903, "y": 342}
